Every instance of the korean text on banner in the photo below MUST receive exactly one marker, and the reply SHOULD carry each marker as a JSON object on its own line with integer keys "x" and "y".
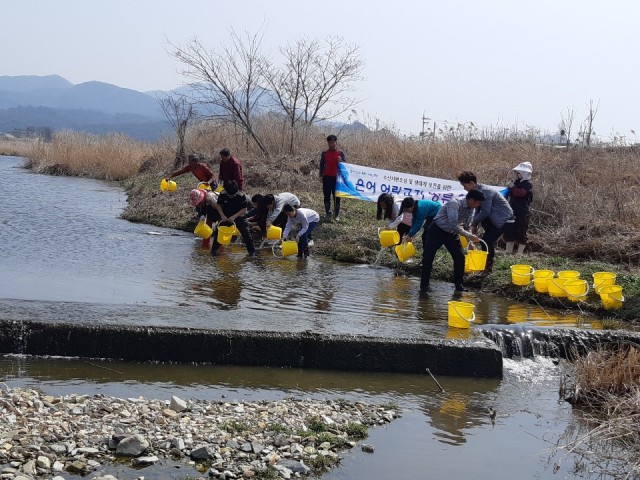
{"x": 367, "y": 183}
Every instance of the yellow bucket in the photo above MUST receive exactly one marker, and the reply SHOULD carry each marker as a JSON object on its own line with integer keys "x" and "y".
{"x": 569, "y": 274}
{"x": 389, "y": 238}
{"x": 464, "y": 241}
{"x": 521, "y": 274}
{"x": 274, "y": 233}
{"x": 204, "y": 186}
{"x": 541, "y": 280}
{"x": 475, "y": 261}
{"x": 555, "y": 287}
{"x": 203, "y": 230}
{"x": 225, "y": 233}
{"x": 611, "y": 297}
{"x": 461, "y": 314}
{"x": 220, "y": 188}
{"x": 602, "y": 279}
{"x": 170, "y": 185}
{"x": 405, "y": 251}
{"x": 576, "y": 290}
{"x": 289, "y": 247}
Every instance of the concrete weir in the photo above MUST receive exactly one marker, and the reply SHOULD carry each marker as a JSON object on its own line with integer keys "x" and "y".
{"x": 473, "y": 358}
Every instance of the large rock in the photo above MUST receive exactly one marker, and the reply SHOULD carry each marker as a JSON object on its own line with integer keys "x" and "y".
{"x": 132, "y": 446}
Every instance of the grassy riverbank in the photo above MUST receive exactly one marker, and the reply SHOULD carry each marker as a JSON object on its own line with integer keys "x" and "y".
{"x": 585, "y": 213}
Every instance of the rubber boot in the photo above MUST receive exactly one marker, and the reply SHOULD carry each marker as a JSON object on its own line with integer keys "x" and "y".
{"x": 206, "y": 242}
{"x": 509, "y": 247}
{"x": 521, "y": 248}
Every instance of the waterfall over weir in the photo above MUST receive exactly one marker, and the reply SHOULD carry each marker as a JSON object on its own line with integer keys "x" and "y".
{"x": 527, "y": 342}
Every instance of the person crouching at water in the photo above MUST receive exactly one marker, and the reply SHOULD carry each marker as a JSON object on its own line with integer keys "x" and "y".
{"x": 307, "y": 219}
{"x": 389, "y": 209}
{"x": 205, "y": 202}
{"x": 273, "y": 205}
{"x": 422, "y": 212}
{"x": 232, "y": 207}
{"x": 451, "y": 221}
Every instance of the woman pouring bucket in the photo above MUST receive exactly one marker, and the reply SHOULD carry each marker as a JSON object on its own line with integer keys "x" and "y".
{"x": 307, "y": 219}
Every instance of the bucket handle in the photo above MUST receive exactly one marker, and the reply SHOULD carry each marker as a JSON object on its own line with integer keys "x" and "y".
{"x": 582, "y": 294}
{"x": 466, "y": 250}
{"x": 530, "y": 274}
{"x": 473, "y": 314}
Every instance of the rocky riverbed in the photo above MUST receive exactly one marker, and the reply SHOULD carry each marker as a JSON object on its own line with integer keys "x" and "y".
{"x": 42, "y": 436}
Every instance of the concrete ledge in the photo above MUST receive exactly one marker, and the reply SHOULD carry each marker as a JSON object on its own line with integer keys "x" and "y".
{"x": 476, "y": 358}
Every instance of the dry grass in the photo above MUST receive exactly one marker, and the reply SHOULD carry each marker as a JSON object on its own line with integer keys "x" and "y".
{"x": 108, "y": 157}
{"x": 606, "y": 384}
{"x": 586, "y": 203}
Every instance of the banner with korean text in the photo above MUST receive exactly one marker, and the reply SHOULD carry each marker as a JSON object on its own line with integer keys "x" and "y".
{"x": 366, "y": 183}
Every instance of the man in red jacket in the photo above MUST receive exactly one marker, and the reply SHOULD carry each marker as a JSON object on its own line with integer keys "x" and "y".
{"x": 230, "y": 168}
{"x": 199, "y": 170}
{"x": 329, "y": 160}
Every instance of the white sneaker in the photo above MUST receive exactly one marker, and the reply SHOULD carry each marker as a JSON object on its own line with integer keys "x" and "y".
{"x": 310, "y": 243}
{"x": 337, "y": 219}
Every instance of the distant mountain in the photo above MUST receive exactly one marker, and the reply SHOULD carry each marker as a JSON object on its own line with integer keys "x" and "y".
{"x": 29, "y": 103}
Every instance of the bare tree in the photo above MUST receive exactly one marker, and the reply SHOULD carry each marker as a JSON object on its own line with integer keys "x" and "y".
{"x": 179, "y": 112}
{"x": 314, "y": 80}
{"x": 587, "y": 125}
{"x": 228, "y": 79}
{"x": 566, "y": 124}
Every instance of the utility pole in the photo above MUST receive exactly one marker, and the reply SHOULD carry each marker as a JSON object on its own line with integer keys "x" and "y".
{"x": 424, "y": 122}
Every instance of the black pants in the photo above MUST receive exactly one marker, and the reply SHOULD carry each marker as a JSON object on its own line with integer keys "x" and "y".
{"x": 211, "y": 213}
{"x": 329, "y": 190}
{"x": 434, "y": 238}
{"x": 490, "y": 236}
{"x": 243, "y": 226}
{"x": 403, "y": 229}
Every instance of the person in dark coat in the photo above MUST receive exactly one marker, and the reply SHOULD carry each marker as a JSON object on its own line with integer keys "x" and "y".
{"x": 520, "y": 197}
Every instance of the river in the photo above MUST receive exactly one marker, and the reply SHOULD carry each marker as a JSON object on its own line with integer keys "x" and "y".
{"x": 66, "y": 256}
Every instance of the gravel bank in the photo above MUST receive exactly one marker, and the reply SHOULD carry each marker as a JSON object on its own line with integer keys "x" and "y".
{"x": 42, "y": 436}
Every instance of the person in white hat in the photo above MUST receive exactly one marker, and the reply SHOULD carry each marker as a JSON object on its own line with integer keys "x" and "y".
{"x": 520, "y": 197}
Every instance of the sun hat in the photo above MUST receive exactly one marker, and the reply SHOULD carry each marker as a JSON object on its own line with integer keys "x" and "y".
{"x": 525, "y": 169}
{"x": 197, "y": 196}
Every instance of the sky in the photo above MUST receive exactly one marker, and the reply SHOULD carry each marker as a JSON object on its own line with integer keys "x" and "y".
{"x": 504, "y": 63}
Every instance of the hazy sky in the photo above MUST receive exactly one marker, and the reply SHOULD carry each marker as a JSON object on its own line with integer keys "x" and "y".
{"x": 504, "y": 62}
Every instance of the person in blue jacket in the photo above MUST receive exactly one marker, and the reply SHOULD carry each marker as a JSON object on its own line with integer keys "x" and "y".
{"x": 422, "y": 212}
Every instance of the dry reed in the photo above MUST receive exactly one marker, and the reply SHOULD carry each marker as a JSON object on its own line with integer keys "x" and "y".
{"x": 108, "y": 157}
{"x": 606, "y": 385}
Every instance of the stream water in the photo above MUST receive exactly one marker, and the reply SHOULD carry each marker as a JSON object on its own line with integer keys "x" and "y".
{"x": 66, "y": 256}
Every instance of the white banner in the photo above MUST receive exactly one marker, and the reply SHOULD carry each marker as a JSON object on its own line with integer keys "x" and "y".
{"x": 366, "y": 183}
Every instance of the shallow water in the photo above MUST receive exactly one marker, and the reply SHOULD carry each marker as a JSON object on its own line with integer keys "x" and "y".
{"x": 66, "y": 256}
{"x": 440, "y": 434}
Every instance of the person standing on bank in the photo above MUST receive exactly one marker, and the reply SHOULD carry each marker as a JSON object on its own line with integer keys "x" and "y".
{"x": 307, "y": 219}
{"x": 232, "y": 207}
{"x": 451, "y": 221}
{"x": 520, "y": 197}
{"x": 423, "y": 212}
{"x": 230, "y": 169}
{"x": 494, "y": 215}
{"x": 329, "y": 160}
{"x": 199, "y": 169}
